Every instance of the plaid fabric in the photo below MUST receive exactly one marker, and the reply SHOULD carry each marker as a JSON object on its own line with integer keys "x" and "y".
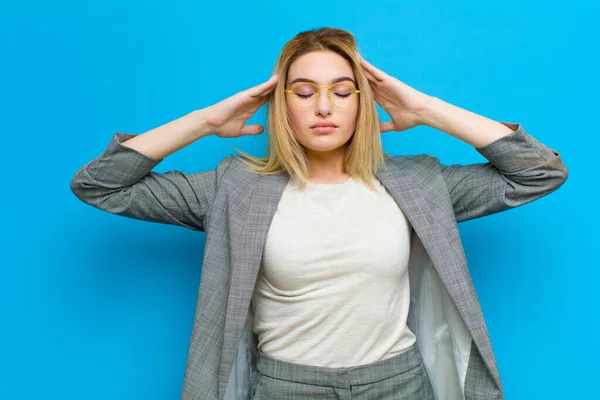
{"x": 400, "y": 377}
{"x": 235, "y": 207}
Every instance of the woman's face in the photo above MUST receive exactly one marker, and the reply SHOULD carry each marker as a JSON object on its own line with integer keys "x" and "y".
{"x": 324, "y": 68}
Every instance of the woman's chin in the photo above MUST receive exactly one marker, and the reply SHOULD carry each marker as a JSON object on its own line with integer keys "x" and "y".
{"x": 323, "y": 147}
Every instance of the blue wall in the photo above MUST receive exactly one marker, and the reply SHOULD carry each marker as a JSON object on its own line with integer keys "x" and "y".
{"x": 96, "y": 306}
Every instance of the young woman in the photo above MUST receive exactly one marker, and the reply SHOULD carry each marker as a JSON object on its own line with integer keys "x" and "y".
{"x": 331, "y": 269}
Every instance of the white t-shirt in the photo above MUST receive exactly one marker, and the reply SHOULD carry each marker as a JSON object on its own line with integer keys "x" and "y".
{"x": 333, "y": 287}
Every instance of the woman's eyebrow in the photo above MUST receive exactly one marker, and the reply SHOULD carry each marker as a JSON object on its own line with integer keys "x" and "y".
{"x": 336, "y": 80}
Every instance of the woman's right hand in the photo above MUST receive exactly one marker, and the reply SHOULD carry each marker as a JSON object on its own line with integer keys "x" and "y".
{"x": 227, "y": 119}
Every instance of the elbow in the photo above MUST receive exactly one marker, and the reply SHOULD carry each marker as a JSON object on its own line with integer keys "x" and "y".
{"x": 565, "y": 174}
{"x": 553, "y": 175}
{"x": 114, "y": 199}
{"x": 89, "y": 191}
{"x": 553, "y": 179}
{"x": 560, "y": 168}
{"x": 536, "y": 184}
{"x": 77, "y": 187}
{"x": 84, "y": 192}
{"x": 561, "y": 175}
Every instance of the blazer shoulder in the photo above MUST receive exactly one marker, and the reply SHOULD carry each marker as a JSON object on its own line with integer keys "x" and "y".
{"x": 233, "y": 164}
{"x": 423, "y": 170}
{"x": 223, "y": 166}
{"x": 233, "y": 170}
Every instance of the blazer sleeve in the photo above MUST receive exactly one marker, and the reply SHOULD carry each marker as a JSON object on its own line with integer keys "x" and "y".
{"x": 519, "y": 170}
{"x": 120, "y": 181}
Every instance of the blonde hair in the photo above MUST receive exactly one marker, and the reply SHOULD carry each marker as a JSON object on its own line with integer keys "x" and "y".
{"x": 364, "y": 153}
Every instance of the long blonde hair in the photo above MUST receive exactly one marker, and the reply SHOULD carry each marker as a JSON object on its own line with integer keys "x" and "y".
{"x": 364, "y": 153}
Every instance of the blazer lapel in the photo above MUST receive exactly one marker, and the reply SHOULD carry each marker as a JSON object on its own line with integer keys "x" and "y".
{"x": 411, "y": 199}
{"x": 265, "y": 197}
{"x": 448, "y": 261}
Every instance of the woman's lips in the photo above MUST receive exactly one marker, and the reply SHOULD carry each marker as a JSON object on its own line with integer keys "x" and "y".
{"x": 323, "y": 129}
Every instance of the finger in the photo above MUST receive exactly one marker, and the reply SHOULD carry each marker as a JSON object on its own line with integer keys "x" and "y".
{"x": 386, "y": 127}
{"x": 254, "y": 129}
{"x": 370, "y": 76}
{"x": 376, "y": 73}
{"x": 264, "y": 88}
{"x": 266, "y": 92}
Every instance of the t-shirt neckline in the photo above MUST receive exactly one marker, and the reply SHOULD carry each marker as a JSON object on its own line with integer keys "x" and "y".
{"x": 329, "y": 184}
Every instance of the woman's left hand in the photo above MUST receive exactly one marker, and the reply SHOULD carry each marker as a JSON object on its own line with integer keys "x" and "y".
{"x": 402, "y": 103}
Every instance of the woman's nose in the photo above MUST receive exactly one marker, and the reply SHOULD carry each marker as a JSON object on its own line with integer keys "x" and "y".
{"x": 323, "y": 106}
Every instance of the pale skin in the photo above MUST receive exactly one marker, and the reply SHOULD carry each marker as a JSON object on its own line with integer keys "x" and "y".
{"x": 406, "y": 106}
{"x": 325, "y": 153}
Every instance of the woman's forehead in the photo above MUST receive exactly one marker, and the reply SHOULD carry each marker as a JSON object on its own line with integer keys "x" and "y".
{"x": 322, "y": 67}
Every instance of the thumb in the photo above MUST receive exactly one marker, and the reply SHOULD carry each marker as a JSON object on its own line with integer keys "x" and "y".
{"x": 254, "y": 129}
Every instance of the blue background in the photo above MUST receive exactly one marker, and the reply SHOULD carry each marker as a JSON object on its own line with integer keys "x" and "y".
{"x": 96, "y": 306}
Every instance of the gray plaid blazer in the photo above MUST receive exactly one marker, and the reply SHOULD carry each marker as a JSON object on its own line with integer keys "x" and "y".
{"x": 235, "y": 207}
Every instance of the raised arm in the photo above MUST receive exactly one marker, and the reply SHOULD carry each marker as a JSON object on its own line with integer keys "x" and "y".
{"x": 120, "y": 180}
{"x": 519, "y": 170}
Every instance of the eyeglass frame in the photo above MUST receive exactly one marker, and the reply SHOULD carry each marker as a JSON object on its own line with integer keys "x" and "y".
{"x": 291, "y": 91}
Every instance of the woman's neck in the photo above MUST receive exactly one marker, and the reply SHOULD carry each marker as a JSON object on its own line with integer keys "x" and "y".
{"x": 327, "y": 167}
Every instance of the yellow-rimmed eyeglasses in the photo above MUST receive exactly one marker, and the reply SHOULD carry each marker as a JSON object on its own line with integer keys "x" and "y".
{"x": 306, "y": 94}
